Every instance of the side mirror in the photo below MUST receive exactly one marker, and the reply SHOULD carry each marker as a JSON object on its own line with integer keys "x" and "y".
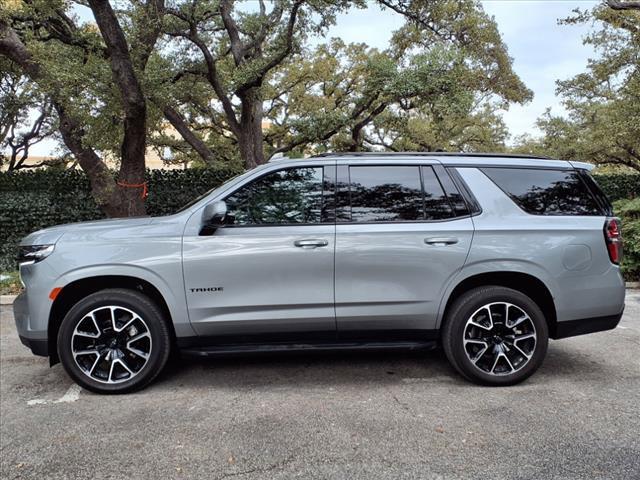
{"x": 213, "y": 216}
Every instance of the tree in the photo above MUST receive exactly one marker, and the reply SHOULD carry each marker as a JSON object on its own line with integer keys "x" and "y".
{"x": 124, "y": 66}
{"x": 68, "y": 63}
{"x": 436, "y": 87}
{"x": 25, "y": 117}
{"x": 237, "y": 50}
{"x": 603, "y": 104}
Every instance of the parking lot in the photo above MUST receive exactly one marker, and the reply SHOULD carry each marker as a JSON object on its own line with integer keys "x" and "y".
{"x": 391, "y": 415}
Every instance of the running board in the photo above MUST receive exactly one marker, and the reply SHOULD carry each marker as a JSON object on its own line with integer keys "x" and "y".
{"x": 238, "y": 349}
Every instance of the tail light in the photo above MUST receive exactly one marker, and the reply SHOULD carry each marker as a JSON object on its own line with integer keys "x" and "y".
{"x": 613, "y": 239}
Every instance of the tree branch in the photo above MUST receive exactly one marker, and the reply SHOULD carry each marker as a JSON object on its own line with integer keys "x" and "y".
{"x": 187, "y": 134}
{"x": 623, "y": 5}
{"x": 237, "y": 49}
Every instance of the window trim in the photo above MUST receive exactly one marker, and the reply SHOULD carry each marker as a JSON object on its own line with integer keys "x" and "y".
{"x": 557, "y": 169}
{"x": 322, "y": 166}
{"x": 473, "y": 206}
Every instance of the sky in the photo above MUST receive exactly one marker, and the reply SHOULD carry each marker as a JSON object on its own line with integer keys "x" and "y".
{"x": 542, "y": 50}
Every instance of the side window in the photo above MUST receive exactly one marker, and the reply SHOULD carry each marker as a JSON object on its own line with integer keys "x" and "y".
{"x": 289, "y": 196}
{"x": 386, "y": 194}
{"x": 545, "y": 191}
{"x": 436, "y": 204}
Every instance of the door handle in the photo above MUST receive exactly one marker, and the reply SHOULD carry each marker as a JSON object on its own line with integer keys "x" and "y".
{"x": 311, "y": 243}
{"x": 440, "y": 241}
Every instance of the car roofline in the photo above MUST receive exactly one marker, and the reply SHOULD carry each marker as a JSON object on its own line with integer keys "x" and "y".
{"x": 428, "y": 154}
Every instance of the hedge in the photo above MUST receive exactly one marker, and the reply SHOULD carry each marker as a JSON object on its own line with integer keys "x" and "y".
{"x": 31, "y": 200}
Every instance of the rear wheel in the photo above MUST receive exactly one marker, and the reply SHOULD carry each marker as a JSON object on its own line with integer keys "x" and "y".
{"x": 114, "y": 341}
{"x": 495, "y": 336}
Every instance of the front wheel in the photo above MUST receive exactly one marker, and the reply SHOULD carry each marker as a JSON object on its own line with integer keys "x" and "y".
{"x": 114, "y": 341}
{"x": 495, "y": 336}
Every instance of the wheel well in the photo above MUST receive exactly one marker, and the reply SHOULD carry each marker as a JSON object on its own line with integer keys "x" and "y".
{"x": 76, "y": 291}
{"x": 527, "y": 284}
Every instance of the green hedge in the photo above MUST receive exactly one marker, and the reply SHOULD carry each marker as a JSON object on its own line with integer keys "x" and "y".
{"x": 31, "y": 200}
{"x": 629, "y": 212}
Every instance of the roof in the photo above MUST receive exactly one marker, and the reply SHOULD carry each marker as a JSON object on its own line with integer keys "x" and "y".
{"x": 459, "y": 159}
{"x": 427, "y": 154}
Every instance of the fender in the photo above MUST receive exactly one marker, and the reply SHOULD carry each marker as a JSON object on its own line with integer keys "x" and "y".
{"x": 496, "y": 265}
{"x": 176, "y": 301}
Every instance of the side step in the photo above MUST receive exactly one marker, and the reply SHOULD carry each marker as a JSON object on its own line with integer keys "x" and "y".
{"x": 244, "y": 349}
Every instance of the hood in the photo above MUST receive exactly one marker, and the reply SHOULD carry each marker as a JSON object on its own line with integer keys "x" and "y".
{"x": 51, "y": 235}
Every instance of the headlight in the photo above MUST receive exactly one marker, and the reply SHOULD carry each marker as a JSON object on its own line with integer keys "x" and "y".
{"x": 33, "y": 253}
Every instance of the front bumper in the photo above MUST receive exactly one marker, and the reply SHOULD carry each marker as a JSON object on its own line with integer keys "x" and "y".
{"x": 38, "y": 347}
{"x": 36, "y": 340}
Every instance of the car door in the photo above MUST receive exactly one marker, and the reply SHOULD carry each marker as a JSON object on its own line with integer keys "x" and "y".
{"x": 270, "y": 268}
{"x": 399, "y": 240}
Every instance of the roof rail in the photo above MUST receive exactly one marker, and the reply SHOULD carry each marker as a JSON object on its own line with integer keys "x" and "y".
{"x": 427, "y": 154}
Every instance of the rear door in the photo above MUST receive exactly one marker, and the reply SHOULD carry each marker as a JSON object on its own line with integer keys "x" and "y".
{"x": 399, "y": 240}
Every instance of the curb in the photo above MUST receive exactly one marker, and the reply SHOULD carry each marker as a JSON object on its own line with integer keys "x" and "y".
{"x": 7, "y": 299}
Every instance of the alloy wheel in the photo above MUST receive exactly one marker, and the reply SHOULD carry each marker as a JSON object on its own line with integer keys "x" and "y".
{"x": 499, "y": 338}
{"x": 111, "y": 344}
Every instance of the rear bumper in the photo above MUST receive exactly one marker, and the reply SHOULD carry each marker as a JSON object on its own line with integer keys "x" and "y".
{"x": 582, "y": 326}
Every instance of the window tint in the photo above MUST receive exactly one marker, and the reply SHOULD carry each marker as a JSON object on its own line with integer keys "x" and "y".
{"x": 545, "y": 192}
{"x": 436, "y": 204}
{"x": 284, "y": 197}
{"x": 385, "y": 194}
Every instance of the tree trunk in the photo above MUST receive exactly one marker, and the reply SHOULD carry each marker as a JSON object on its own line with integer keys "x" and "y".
{"x": 103, "y": 188}
{"x": 131, "y": 177}
{"x": 250, "y": 135}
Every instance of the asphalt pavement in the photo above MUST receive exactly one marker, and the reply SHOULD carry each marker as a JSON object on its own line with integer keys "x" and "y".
{"x": 342, "y": 416}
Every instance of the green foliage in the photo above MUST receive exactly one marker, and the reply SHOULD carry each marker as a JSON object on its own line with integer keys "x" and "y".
{"x": 619, "y": 186}
{"x": 603, "y": 103}
{"x": 629, "y": 212}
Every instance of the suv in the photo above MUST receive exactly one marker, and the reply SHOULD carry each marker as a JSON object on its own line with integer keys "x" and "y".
{"x": 488, "y": 255}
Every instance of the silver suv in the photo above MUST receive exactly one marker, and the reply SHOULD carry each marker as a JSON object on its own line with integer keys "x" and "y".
{"x": 487, "y": 255}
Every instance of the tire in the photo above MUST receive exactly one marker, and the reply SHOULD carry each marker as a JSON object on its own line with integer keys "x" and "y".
{"x": 114, "y": 341}
{"x": 505, "y": 354}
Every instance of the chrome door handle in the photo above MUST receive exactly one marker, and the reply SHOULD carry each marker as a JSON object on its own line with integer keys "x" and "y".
{"x": 440, "y": 241}
{"x": 311, "y": 243}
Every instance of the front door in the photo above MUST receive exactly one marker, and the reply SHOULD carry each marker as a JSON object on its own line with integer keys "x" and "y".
{"x": 270, "y": 270}
{"x": 399, "y": 240}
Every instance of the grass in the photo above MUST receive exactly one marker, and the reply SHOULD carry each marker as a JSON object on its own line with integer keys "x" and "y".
{"x": 10, "y": 283}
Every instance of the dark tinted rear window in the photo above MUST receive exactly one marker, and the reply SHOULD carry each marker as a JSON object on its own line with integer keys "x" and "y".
{"x": 545, "y": 191}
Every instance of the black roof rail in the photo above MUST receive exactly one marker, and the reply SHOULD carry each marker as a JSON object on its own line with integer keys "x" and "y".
{"x": 427, "y": 154}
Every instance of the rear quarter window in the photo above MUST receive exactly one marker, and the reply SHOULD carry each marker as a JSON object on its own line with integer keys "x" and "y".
{"x": 546, "y": 191}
